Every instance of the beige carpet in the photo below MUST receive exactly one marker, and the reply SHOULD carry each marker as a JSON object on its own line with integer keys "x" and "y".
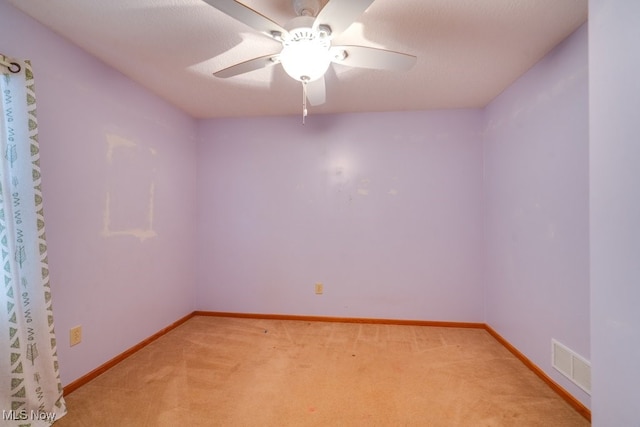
{"x": 214, "y": 371}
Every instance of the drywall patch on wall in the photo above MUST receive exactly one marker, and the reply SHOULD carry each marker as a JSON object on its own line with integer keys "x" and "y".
{"x": 393, "y": 191}
{"x": 114, "y": 142}
{"x": 140, "y": 233}
{"x": 363, "y": 190}
{"x": 130, "y": 196}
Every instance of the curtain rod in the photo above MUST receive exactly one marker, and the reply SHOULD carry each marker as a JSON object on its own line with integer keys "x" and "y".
{"x": 13, "y": 67}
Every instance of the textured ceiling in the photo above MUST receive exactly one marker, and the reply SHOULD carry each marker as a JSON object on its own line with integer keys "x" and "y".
{"x": 468, "y": 51}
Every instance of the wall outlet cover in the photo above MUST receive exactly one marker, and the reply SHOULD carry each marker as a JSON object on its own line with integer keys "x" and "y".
{"x": 75, "y": 335}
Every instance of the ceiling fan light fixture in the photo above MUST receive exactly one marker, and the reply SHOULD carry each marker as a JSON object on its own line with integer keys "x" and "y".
{"x": 306, "y": 42}
{"x": 305, "y": 51}
{"x": 305, "y": 60}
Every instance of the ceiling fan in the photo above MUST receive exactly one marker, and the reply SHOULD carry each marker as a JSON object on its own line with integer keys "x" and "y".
{"x": 307, "y": 50}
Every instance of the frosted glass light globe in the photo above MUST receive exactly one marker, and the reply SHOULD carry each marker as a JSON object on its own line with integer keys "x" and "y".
{"x": 305, "y": 60}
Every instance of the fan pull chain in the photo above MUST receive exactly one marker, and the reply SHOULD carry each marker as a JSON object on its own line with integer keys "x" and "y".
{"x": 304, "y": 100}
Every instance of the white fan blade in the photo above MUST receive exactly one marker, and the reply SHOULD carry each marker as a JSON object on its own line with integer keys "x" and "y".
{"x": 369, "y": 57}
{"x": 340, "y": 14}
{"x": 316, "y": 93}
{"x": 246, "y": 66}
{"x": 248, "y": 16}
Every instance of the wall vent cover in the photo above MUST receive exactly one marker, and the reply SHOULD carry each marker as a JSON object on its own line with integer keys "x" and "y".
{"x": 571, "y": 365}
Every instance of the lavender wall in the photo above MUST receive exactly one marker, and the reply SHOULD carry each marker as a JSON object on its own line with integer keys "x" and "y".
{"x": 614, "y": 67}
{"x": 384, "y": 209}
{"x": 120, "y": 265}
{"x": 536, "y": 208}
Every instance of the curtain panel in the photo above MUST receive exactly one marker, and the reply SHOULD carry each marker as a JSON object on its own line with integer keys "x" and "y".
{"x": 31, "y": 391}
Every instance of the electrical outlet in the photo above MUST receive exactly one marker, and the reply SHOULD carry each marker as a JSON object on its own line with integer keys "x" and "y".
{"x": 75, "y": 335}
{"x": 319, "y": 288}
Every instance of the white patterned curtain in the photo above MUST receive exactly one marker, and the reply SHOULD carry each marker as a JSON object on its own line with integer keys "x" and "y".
{"x": 30, "y": 388}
